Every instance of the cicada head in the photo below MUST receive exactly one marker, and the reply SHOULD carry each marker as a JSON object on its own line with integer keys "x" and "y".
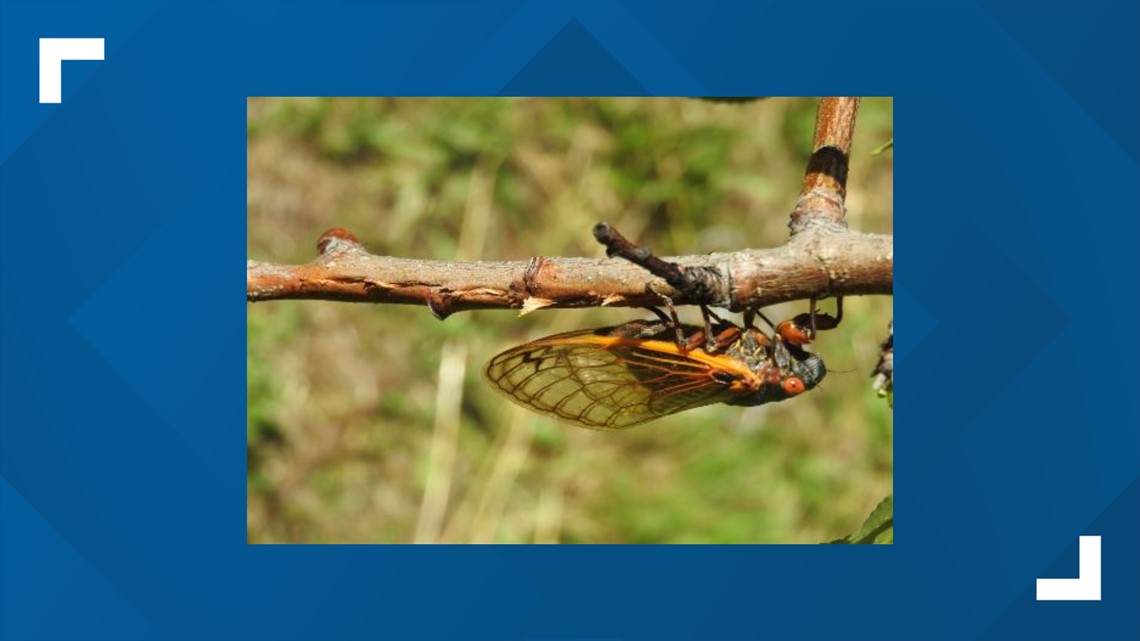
{"x": 806, "y": 366}
{"x": 786, "y": 369}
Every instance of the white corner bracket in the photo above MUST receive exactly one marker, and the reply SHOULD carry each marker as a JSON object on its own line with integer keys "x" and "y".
{"x": 1086, "y": 587}
{"x": 53, "y": 51}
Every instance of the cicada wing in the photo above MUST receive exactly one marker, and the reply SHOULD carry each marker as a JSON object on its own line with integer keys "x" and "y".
{"x": 678, "y": 382}
{"x": 600, "y": 381}
{"x": 574, "y": 378}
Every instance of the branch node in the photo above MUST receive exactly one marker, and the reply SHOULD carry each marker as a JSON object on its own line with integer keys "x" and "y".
{"x": 338, "y": 240}
{"x": 530, "y": 275}
{"x": 819, "y": 207}
{"x": 441, "y": 303}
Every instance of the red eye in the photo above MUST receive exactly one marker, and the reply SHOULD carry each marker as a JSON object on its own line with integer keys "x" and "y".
{"x": 793, "y": 385}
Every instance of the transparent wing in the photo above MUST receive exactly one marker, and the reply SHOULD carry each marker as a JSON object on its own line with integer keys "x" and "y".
{"x": 603, "y": 382}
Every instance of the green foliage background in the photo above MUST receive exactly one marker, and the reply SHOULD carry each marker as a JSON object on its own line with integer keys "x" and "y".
{"x": 347, "y": 430}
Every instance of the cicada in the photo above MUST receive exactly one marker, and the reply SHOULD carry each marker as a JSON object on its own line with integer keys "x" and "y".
{"x": 617, "y": 377}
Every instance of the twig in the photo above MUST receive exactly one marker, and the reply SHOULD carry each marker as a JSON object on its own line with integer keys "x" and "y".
{"x": 825, "y": 182}
{"x": 697, "y": 283}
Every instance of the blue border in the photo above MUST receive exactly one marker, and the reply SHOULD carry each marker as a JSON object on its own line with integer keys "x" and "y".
{"x": 122, "y": 457}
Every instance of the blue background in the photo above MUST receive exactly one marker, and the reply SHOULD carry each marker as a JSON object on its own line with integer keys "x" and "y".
{"x": 1017, "y": 201}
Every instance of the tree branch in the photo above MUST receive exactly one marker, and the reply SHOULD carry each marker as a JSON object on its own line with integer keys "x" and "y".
{"x": 814, "y": 264}
{"x": 822, "y": 258}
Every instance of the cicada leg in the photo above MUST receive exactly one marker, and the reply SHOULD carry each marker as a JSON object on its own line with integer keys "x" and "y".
{"x": 715, "y": 340}
{"x": 670, "y": 318}
{"x": 802, "y": 329}
{"x": 685, "y": 343}
{"x": 718, "y": 341}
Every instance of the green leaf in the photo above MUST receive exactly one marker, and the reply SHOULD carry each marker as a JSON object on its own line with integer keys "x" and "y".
{"x": 878, "y": 528}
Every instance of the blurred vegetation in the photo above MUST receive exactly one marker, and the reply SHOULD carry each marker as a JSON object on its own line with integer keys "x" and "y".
{"x": 351, "y": 439}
